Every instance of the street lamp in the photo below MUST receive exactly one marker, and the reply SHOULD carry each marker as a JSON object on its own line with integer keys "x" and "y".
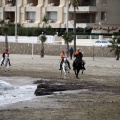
{"x": 16, "y": 23}
{"x": 67, "y": 15}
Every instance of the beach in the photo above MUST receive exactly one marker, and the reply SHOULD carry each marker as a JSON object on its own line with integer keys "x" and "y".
{"x": 99, "y": 98}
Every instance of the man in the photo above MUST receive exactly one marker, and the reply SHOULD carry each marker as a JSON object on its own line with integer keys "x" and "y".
{"x": 62, "y": 55}
{"x": 71, "y": 52}
{"x": 5, "y": 52}
{"x": 79, "y": 55}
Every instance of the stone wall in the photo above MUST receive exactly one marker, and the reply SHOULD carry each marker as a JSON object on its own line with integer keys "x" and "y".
{"x": 26, "y": 48}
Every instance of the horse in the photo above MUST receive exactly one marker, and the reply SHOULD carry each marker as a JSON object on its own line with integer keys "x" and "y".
{"x": 64, "y": 68}
{"x": 78, "y": 65}
{"x": 6, "y": 61}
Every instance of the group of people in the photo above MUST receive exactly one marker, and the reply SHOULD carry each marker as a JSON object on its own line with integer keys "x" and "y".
{"x": 6, "y": 52}
{"x": 77, "y": 54}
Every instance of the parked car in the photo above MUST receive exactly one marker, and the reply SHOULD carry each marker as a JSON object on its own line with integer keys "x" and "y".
{"x": 103, "y": 43}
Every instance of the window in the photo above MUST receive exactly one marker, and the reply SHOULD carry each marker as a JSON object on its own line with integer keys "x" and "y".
{"x": 22, "y": 17}
{"x": 83, "y": 36}
{"x": 95, "y": 36}
{"x": 31, "y": 16}
{"x": 52, "y": 16}
{"x": 103, "y": 16}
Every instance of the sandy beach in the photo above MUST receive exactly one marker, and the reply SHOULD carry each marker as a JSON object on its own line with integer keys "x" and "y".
{"x": 99, "y": 98}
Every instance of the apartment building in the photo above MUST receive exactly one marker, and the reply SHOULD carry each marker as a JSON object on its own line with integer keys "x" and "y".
{"x": 102, "y": 15}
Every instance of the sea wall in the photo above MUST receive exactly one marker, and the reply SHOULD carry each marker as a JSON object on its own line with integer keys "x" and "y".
{"x": 50, "y": 49}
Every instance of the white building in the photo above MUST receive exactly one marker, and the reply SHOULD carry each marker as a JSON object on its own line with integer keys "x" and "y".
{"x": 102, "y": 15}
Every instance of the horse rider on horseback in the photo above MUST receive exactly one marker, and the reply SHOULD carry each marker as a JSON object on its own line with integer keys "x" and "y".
{"x": 79, "y": 55}
{"x": 3, "y": 55}
{"x": 62, "y": 55}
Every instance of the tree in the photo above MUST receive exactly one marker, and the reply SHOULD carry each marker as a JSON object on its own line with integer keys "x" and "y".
{"x": 115, "y": 46}
{"x": 75, "y": 4}
{"x": 2, "y": 23}
{"x": 68, "y": 39}
{"x": 5, "y": 31}
{"x": 45, "y": 19}
{"x": 42, "y": 38}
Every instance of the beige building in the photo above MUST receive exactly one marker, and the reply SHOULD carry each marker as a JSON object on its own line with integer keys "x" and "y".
{"x": 102, "y": 15}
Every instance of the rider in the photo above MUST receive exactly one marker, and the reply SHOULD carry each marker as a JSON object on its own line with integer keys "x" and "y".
{"x": 3, "y": 55}
{"x": 62, "y": 55}
{"x": 79, "y": 55}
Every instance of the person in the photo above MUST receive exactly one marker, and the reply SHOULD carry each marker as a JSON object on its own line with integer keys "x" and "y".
{"x": 79, "y": 55}
{"x": 62, "y": 55}
{"x": 71, "y": 51}
{"x": 3, "y": 55}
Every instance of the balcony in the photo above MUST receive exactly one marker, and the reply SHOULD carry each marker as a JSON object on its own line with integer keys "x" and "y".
{"x": 52, "y": 8}
{"x": 29, "y": 23}
{"x": 88, "y": 3}
{"x": 54, "y": 3}
{"x": 32, "y": 2}
{"x": 80, "y": 25}
{"x": 84, "y": 9}
{"x": 31, "y": 9}
{"x": 11, "y": 3}
{"x": 9, "y": 7}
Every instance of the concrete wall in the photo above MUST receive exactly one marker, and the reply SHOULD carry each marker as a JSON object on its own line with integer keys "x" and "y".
{"x": 26, "y": 48}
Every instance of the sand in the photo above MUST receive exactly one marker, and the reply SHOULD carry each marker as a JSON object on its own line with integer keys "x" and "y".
{"x": 100, "y": 100}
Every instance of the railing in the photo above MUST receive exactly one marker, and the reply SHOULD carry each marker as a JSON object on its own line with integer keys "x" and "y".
{"x": 54, "y": 4}
{"x": 82, "y": 21}
{"x": 88, "y": 4}
{"x": 30, "y": 20}
{"x": 52, "y": 20}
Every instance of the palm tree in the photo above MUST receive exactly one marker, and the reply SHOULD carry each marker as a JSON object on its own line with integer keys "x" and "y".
{"x": 75, "y": 4}
{"x": 115, "y": 46}
{"x": 2, "y": 23}
{"x": 68, "y": 39}
{"x": 5, "y": 31}
{"x": 45, "y": 19}
{"x": 42, "y": 38}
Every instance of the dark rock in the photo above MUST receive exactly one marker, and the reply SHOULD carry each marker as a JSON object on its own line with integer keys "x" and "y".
{"x": 42, "y": 91}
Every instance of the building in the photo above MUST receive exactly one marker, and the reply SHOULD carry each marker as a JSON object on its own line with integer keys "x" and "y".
{"x": 102, "y": 15}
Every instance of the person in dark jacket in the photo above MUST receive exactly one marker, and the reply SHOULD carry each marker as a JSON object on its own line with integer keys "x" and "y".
{"x": 79, "y": 55}
{"x": 71, "y": 51}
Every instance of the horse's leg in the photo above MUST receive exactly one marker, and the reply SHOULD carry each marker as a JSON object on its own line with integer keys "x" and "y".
{"x": 77, "y": 74}
{"x": 61, "y": 73}
{"x": 82, "y": 71}
{"x": 64, "y": 72}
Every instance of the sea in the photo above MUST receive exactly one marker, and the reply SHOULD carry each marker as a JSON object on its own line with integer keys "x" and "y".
{"x": 15, "y": 89}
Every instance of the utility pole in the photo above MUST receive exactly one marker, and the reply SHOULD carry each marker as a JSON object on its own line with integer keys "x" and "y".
{"x": 16, "y": 39}
{"x": 74, "y": 29}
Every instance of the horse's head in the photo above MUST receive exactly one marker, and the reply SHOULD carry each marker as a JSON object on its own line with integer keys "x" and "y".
{"x": 6, "y": 56}
{"x": 65, "y": 59}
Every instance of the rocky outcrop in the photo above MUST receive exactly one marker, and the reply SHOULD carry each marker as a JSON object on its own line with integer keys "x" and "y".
{"x": 47, "y": 88}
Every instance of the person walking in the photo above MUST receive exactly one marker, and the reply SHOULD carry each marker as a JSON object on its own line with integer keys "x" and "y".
{"x": 71, "y": 51}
